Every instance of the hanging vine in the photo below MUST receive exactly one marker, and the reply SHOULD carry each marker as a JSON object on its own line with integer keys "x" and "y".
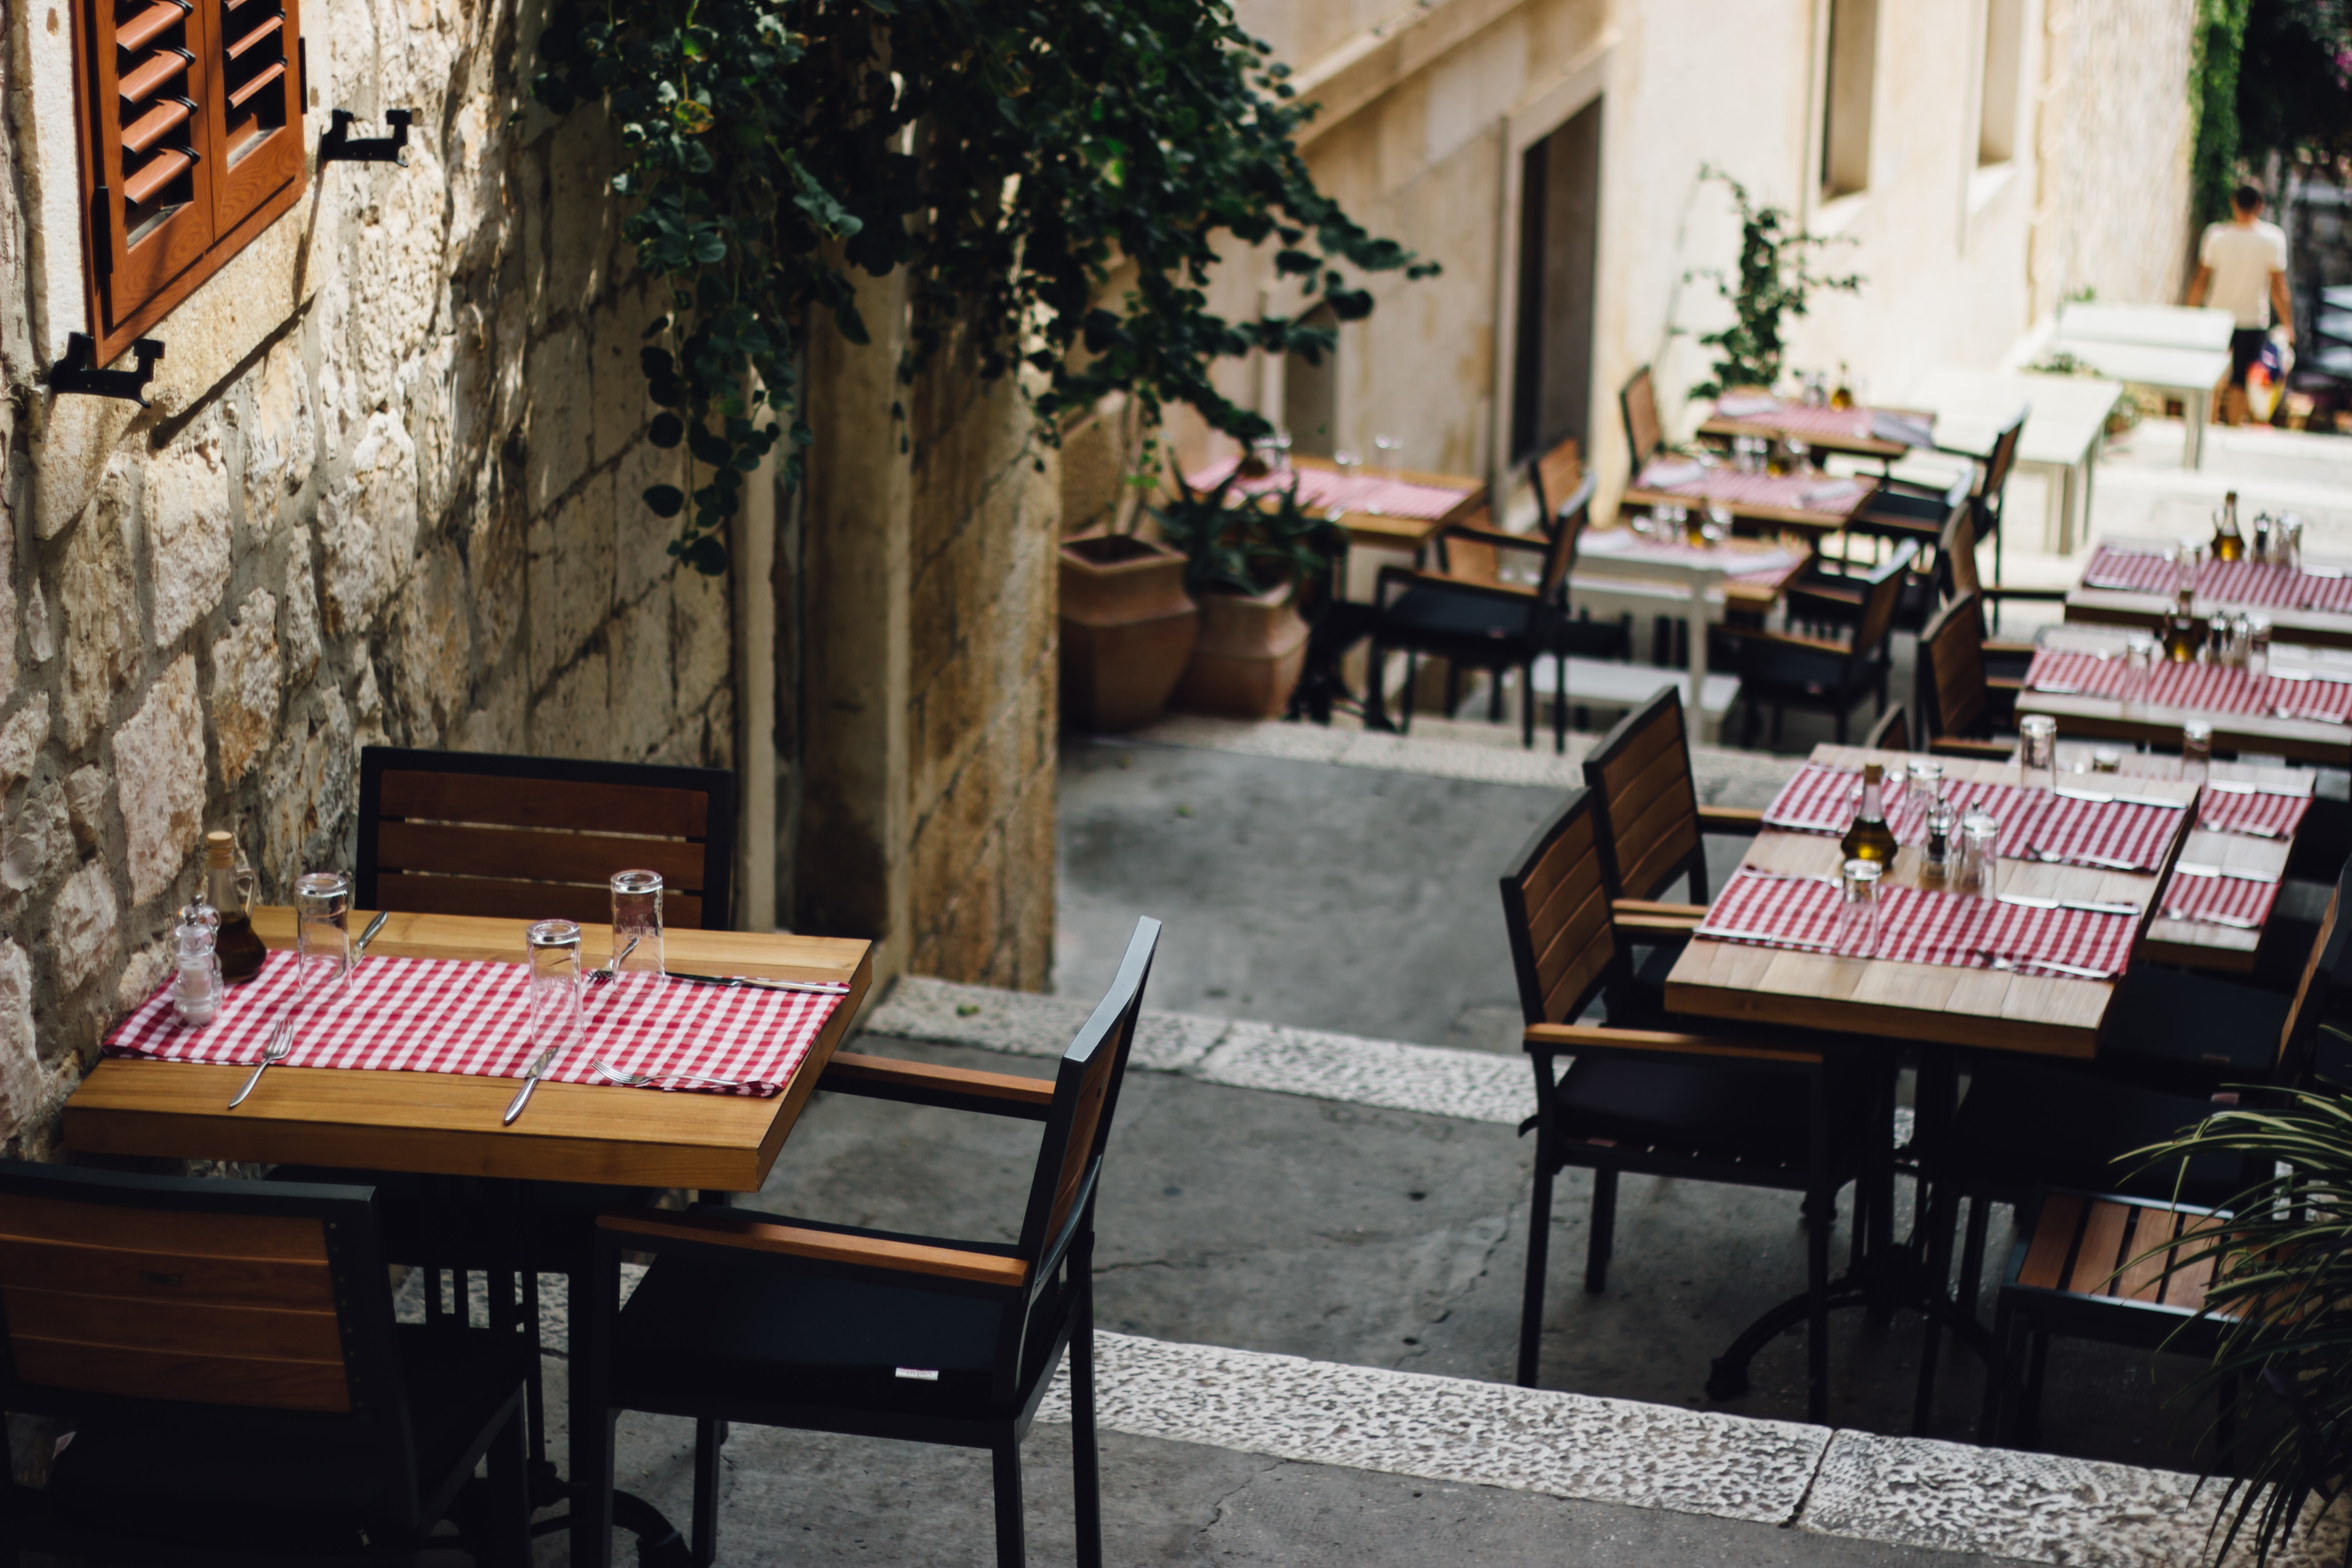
{"x": 1012, "y": 156}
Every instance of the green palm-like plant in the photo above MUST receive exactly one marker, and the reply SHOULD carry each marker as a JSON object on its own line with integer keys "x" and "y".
{"x": 1250, "y": 548}
{"x": 2281, "y": 1286}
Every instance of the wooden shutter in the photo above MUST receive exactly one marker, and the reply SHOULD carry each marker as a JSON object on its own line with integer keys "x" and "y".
{"x": 192, "y": 140}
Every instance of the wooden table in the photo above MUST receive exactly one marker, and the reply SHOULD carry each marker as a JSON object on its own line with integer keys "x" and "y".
{"x": 1386, "y": 531}
{"x": 2151, "y": 326}
{"x": 1814, "y": 525}
{"x": 1723, "y": 427}
{"x": 2119, "y": 607}
{"x": 2194, "y": 374}
{"x": 1940, "y": 1003}
{"x": 2084, "y": 717}
{"x": 2066, "y": 428}
{"x": 448, "y": 1123}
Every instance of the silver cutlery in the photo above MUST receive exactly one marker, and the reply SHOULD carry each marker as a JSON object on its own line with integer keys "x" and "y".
{"x": 2000, "y": 961}
{"x": 2251, "y": 830}
{"x": 2199, "y": 869}
{"x": 2341, "y": 678}
{"x": 2045, "y": 688}
{"x": 820, "y": 987}
{"x": 2099, "y": 798}
{"x": 2052, "y": 858}
{"x": 281, "y": 1042}
{"x": 1715, "y": 934}
{"x": 2232, "y": 786}
{"x": 359, "y": 948}
{"x": 598, "y": 976}
{"x": 529, "y": 1081}
{"x": 641, "y": 1080}
{"x": 2027, "y": 901}
{"x": 2238, "y": 922}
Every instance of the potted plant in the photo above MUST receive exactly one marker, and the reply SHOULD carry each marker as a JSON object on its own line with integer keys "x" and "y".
{"x": 1246, "y": 566}
{"x": 1776, "y": 281}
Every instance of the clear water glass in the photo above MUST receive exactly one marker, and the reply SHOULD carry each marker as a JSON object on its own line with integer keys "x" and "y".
{"x": 1718, "y": 526}
{"x": 1976, "y": 862}
{"x": 2037, "y": 750}
{"x": 553, "y": 955}
{"x": 1384, "y": 451}
{"x": 2139, "y": 664}
{"x": 1927, "y": 781}
{"x": 2196, "y": 751}
{"x": 2258, "y": 644}
{"x": 637, "y": 924}
{"x": 2288, "y": 547}
{"x": 2107, "y": 760}
{"x": 1858, "y": 915}
{"x": 322, "y": 934}
{"x": 1800, "y": 457}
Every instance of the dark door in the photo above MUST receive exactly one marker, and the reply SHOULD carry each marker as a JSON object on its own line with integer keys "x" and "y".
{"x": 1559, "y": 235}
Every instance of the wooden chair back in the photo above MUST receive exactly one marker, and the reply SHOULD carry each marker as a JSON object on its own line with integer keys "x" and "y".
{"x": 1638, "y": 401}
{"x": 1892, "y": 732}
{"x": 1556, "y": 475}
{"x": 1998, "y": 462}
{"x": 1085, "y": 1094}
{"x": 2299, "y": 1036}
{"x": 1956, "y": 548}
{"x": 1885, "y": 594}
{"x": 1556, "y": 907}
{"x": 1951, "y": 670}
{"x": 1644, "y": 800}
{"x": 1567, "y": 528}
{"x": 468, "y": 833}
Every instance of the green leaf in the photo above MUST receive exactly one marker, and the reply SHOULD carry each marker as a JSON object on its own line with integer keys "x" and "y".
{"x": 666, "y": 500}
{"x": 667, "y": 430}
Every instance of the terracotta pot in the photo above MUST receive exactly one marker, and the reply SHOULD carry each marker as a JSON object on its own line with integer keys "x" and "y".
{"x": 1248, "y": 658}
{"x": 1127, "y": 629}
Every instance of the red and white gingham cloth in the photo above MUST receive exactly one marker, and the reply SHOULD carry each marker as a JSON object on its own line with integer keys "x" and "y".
{"x": 1823, "y": 800}
{"x": 1916, "y": 926}
{"x": 1335, "y": 492}
{"x": 2234, "y": 898}
{"x": 1774, "y": 563}
{"x": 1798, "y": 419}
{"x": 2207, "y": 688}
{"x": 2254, "y": 583}
{"x": 2263, "y": 815}
{"x": 1786, "y": 492}
{"x": 433, "y": 1015}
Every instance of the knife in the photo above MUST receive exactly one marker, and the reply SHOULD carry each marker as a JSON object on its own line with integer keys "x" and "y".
{"x": 821, "y": 987}
{"x": 2340, "y": 677}
{"x": 2196, "y": 869}
{"x": 2218, "y": 919}
{"x": 359, "y": 948}
{"x": 2233, "y": 787}
{"x": 2026, "y": 900}
{"x": 529, "y": 1081}
{"x": 2098, "y": 798}
{"x": 1720, "y": 935}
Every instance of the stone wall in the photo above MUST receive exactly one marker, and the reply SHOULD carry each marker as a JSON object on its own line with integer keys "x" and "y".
{"x": 385, "y": 493}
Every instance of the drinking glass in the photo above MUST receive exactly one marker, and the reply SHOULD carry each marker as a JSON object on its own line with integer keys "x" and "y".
{"x": 322, "y": 933}
{"x": 637, "y": 924}
{"x": 1718, "y": 526}
{"x": 2139, "y": 664}
{"x": 2288, "y": 546}
{"x": 2107, "y": 760}
{"x": 2196, "y": 750}
{"x": 1858, "y": 916}
{"x": 1800, "y": 457}
{"x": 553, "y": 955}
{"x": 2258, "y": 645}
{"x": 1385, "y": 449}
{"x": 2037, "y": 751}
{"x": 1927, "y": 781}
{"x": 1979, "y": 868}
{"x": 2187, "y": 561}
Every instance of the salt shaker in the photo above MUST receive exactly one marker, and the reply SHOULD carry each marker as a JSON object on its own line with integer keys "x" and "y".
{"x": 196, "y": 990}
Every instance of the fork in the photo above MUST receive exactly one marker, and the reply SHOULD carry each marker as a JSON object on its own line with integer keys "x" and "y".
{"x": 640, "y": 1080}
{"x": 279, "y": 1044}
{"x": 2001, "y": 961}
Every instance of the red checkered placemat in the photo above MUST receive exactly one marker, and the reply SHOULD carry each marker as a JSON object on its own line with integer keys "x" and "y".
{"x": 1760, "y": 566}
{"x": 2088, "y": 832}
{"x": 1916, "y": 926}
{"x": 2259, "y": 814}
{"x": 2206, "y": 688}
{"x": 1337, "y": 492}
{"x": 1786, "y": 492}
{"x": 433, "y": 1015}
{"x": 2224, "y": 900}
{"x": 1823, "y": 800}
{"x": 2223, "y": 582}
{"x": 1798, "y": 419}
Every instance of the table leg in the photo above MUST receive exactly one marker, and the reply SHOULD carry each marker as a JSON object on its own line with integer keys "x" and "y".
{"x": 2193, "y": 446}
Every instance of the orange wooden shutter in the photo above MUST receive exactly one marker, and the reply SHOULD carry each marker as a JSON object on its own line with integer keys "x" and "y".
{"x": 151, "y": 197}
{"x": 255, "y": 114}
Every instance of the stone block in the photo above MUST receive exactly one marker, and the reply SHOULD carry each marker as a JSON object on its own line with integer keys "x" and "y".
{"x": 582, "y": 217}
{"x": 562, "y": 401}
{"x": 86, "y": 798}
{"x": 702, "y": 637}
{"x": 142, "y": 975}
{"x": 1090, "y": 465}
{"x": 20, "y": 740}
{"x": 498, "y": 724}
{"x": 245, "y": 674}
{"x": 644, "y": 695}
{"x": 82, "y": 926}
{"x": 76, "y": 439}
{"x": 617, "y": 331}
{"x": 159, "y": 770}
{"x": 39, "y": 845}
{"x": 434, "y": 642}
{"x": 643, "y": 558}
{"x": 308, "y": 793}
{"x": 281, "y": 434}
{"x": 23, "y": 1084}
{"x": 188, "y": 516}
{"x": 7, "y": 619}
{"x": 300, "y": 599}
{"x": 368, "y": 524}
{"x": 395, "y": 263}
{"x": 572, "y": 718}
{"x": 97, "y": 606}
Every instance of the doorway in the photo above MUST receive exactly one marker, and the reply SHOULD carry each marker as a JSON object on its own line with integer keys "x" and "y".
{"x": 1560, "y": 236}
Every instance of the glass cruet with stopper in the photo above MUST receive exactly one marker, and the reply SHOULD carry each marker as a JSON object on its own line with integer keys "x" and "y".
{"x": 1870, "y": 838}
{"x": 229, "y": 888}
{"x": 2229, "y": 543}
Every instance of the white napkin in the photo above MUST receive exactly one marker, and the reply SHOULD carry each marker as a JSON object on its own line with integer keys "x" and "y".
{"x": 1903, "y": 427}
{"x": 1828, "y": 491}
{"x": 1666, "y": 476}
{"x": 1739, "y": 405}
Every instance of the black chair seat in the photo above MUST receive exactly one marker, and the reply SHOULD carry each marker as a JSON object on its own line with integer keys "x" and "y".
{"x": 2193, "y": 1031}
{"x": 2022, "y": 1125}
{"x": 1718, "y": 1112}
{"x": 1469, "y": 618}
{"x": 222, "y": 1477}
{"x": 1776, "y": 666}
{"x": 751, "y": 1330}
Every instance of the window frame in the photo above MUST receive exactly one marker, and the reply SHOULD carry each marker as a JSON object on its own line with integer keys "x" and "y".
{"x": 128, "y": 287}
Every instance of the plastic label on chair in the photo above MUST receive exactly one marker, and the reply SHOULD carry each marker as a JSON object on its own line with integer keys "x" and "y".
{"x": 920, "y": 1373}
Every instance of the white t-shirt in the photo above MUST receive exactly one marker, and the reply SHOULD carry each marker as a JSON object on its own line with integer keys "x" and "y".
{"x": 2242, "y": 256}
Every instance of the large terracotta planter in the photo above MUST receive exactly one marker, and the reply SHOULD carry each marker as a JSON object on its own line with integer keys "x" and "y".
{"x": 1248, "y": 658}
{"x": 1127, "y": 629}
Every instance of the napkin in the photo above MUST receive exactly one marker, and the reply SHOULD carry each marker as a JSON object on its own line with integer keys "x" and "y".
{"x": 1739, "y": 405}
{"x": 1907, "y": 428}
{"x": 1666, "y": 476}
{"x": 1833, "y": 491}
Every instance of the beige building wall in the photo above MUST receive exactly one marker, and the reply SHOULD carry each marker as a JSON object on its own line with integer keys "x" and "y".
{"x": 1429, "y": 107}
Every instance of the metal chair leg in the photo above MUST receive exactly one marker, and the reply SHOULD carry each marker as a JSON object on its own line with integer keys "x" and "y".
{"x": 1817, "y": 1323}
{"x": 708, "y": 1433}
{"x": 1539, "y": 1257}
{"x": 1603, "y": 1240}
{"x": 1012, "y": 1548}
{"x": 1972, "y": 1251}
{"x": 1087, "y": 1476}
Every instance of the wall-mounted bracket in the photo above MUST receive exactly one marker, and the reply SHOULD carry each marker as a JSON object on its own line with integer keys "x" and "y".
{"x": 338, "y": 145}
{"x": 77, "y": 372}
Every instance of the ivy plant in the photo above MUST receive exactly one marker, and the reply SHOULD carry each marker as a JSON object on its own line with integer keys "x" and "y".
{"x": 2214, "y": 51}
{"x": 1775, "y": 281}
{"x": 1013, "y": 156}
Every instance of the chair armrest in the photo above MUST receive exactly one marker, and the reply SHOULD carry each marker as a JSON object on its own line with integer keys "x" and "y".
{"x": 2011, "y": 648}
{"x": 1782, "y": 639}
{"x": 955, "y": 1088}
{"x": 749, "y": 1234}
{"x": 1640, "y": 923}
{"x": 2028, "y": 595}
{"x": 1851, "y": 598}
{"x": 1500, "y": 538}
{"x": 1550, "y": 1038}
{"x": 1657, "y": 907}
{"x": 2009, "y": 683}
{"x": 1983, "y": 751}
{"x": 1739, "y": 820}
{"x": 1467, "y": 586}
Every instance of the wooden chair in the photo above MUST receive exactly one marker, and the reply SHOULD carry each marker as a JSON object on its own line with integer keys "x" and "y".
{"x": 1782, "y": 670}
{"x": 1890, "y": 733}
{"x": 1645, "y": 433}
{"x": 465, "y": 832}
{"x": 1496, "y": 627}
{"x": 238, "y": 1394}
{"x": 1745, "y": 1110}
{"x": 1645, "y": 801}
{"x": 792, "y": 1322}
{"x": 1918, "y": 512}
{"x": 1960, "y": 705}
{"x": 1463, "y": 548}
{"x": 1956, "y": 569}
{"x": 2087, "y": 1266}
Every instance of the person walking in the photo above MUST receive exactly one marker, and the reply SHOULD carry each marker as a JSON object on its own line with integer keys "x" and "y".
{"x": 2241, "y": 267}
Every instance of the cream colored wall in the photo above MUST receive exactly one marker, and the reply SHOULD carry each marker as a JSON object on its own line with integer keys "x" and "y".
{"x": 1428, "y": 106}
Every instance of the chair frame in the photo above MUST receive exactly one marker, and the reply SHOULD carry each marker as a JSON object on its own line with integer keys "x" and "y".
{"x": 1643, "y": 386}
{"x": 1867, "y": 662}
{"x": 408, "y": 1505}
{"x": 717, "y": 784}
{"x": 1955, "y": 713}
{"x": 1053, "y": 1258}
{"x": 1641, "y": 883}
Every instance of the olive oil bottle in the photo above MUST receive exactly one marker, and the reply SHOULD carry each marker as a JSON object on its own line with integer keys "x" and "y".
{"x": 229, "y": 890}
{"x": 1870, "y": 838}
{"x": 2229, "y": 543}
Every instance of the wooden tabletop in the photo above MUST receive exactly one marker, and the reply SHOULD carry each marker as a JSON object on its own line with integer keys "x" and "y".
{"x": 1988, "y": 1008}
{"x": 1814, "y": 524}
{"x": 448, "y": 1123}
{"x": 1720, "y": 428}
{"x": 1383, "y": 530}
{"x": 2117, "y": 606}
{"x": 2084, "y": 717}
{"x": 1597, "y": 560}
